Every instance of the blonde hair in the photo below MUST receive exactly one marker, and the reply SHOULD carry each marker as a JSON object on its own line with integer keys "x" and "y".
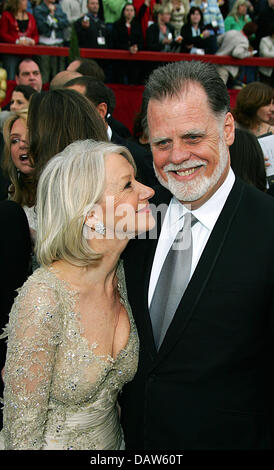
{"x": 69, "y": 187}
{"x": 234, "y": 10}
{"x": 23, "y": 188}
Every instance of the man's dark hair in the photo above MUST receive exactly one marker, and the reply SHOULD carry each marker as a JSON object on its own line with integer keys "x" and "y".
{"x": 56, "y": 118}
{"x": 91, "y": 68}
{"x": 96, "y": 91}
{"x": 25, "y": 59}
{"x": 250, "y": 28}
{"x": 247, "y": 159}
{"x": 169, "y": 81}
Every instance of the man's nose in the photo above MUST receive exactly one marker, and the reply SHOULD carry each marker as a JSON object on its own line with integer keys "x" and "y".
{"x": 179, "y": 153}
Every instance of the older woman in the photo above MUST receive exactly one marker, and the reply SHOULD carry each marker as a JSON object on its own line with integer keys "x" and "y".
{"x": 17, "y": 26}
{"x": 254, "y": 108}
{"x": 72, "y": 341}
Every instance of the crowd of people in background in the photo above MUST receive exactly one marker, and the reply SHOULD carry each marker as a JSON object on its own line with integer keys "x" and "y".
{"x": 239, "y": 28}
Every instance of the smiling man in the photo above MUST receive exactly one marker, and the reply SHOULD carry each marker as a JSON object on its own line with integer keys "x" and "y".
{"x": 202, "y": 292}
{"x": 189, "y": 148}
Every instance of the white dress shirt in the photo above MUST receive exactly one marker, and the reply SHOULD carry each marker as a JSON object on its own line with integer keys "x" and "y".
{"x": 206, "y": 215}
{"x": 109, "y": 133}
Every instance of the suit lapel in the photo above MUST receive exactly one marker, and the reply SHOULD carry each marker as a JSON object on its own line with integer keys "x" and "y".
{"x": 203, "y": 270}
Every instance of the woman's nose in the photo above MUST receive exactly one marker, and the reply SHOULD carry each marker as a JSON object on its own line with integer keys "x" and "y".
{"x": 145, "y": 192}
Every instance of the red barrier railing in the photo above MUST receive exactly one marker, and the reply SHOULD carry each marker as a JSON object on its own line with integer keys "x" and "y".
{"x": 115, "y": 54}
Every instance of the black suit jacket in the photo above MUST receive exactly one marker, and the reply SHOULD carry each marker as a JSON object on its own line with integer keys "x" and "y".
{"x": 120, "y": 37}
{"x": 89, "y": 37}
{"x": 152, "y": 37}
{"x": 15, "y": 259}
{"x": 208, "y": 44}
{"x": 210, "y": 386}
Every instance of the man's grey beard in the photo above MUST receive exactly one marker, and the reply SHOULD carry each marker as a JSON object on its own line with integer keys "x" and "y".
{"x": 189, "y": 191}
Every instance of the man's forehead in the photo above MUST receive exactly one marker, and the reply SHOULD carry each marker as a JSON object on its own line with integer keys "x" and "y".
{"x": 28, "y": 67}
{"x": 190, "y": 91}
{"x": 188, "y": 107}
{"x": 186, "y": 114}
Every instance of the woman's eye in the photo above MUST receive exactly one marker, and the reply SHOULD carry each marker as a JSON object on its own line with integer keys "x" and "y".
{"x": 14, "y": 141}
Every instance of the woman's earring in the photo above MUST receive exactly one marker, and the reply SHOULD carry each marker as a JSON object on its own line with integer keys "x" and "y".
{"x": 100, "y": 228}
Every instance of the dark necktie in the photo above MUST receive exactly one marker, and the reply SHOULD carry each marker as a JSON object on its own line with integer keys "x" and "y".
{"x": 172, "y": 281}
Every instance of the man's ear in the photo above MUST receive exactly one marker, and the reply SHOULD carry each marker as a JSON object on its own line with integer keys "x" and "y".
{"x": 17, "y": 79}
{"x": 229, "y": 129}
{"x": 102, "y": 109}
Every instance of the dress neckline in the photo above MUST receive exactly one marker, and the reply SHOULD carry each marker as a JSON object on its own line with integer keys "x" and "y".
{"x": 73, "y": 294}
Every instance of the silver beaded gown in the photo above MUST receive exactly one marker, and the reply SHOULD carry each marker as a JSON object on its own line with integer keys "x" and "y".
{"x": 59, "y": 394}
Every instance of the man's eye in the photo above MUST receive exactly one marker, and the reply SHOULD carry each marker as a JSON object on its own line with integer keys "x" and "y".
{"x": 128, "y": 185}
{"x": 162, "y": 144}
{"x": 193, "y": 138}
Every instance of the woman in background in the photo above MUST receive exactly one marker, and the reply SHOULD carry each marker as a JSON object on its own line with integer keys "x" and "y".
{"x": 247, "y": 159}
{"x": 161, "y": 34}
{"x": 195, "y": 36}
{"x": 16, "y": 164}
{"x": 238, "y": 17}
{"x": 17, "y": 26}
{"x": 127, "y": 35}
{"x": 19, "y": 170}
{"x": 20, "y": 97}
{"x": 56, "y": 118}
{"x": 254, "y": 108}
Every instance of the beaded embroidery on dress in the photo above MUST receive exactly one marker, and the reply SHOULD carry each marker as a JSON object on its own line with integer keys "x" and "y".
{"x": 58, "y": 393}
